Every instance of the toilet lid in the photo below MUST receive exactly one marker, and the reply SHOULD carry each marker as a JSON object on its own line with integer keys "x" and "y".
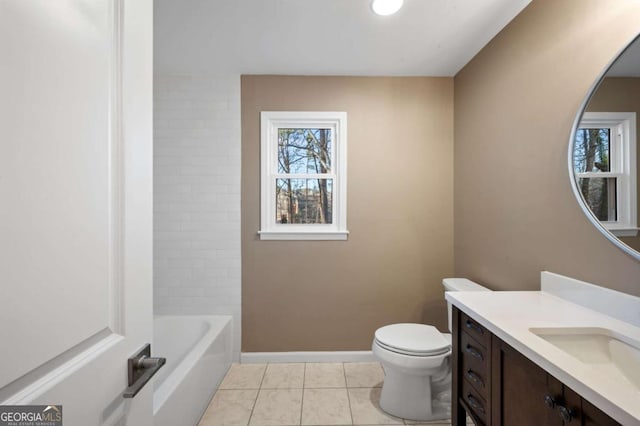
{"x": 412, "y": 339}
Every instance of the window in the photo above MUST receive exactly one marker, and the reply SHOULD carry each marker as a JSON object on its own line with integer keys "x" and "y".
{"x": 303, "y": 176}
{"x": 604, "y": 161}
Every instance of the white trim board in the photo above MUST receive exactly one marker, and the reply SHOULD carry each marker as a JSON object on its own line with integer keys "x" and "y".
{"x": 324, "y": 356}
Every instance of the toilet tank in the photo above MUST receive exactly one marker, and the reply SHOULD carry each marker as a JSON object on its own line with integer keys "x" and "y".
{"x": 459, "y": 284}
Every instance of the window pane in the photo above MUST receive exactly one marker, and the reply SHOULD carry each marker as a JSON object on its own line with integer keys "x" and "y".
{"x": 600, "y": 195}
{"x": 592, "y": 150}
{"x": 304, "y": 200}
{"x": 304, "y": 150}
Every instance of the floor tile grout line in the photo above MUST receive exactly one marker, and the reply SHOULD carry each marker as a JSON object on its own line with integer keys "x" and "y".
{"x": 304, "y": 373}
{"x": 236, "y": 389}
{"x": 344, "y": 375}
{"x": 304, "y": 376}
{"x": 347, "y": 390}
{"x": 253, "y": 406}
{"x": 255, "y": 401}
{"x": 264, "y": 373}
{"x": 301, "y": 406}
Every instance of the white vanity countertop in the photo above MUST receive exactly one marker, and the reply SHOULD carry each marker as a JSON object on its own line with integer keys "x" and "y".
{"x": 510, "y": 314}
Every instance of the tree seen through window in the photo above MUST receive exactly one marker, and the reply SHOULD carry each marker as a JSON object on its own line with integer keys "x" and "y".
{"x": 592, "y": 152}
{"x": 307, "y": 196}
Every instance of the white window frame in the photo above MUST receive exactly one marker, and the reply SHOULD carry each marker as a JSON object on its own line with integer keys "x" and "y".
{"x": 622, "y": 163}
{"x": 270, "y": 122}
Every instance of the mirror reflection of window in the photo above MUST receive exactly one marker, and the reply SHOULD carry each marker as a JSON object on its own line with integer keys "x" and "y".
{"x": 592, "y": 152}
{"x": 604, "y": 166}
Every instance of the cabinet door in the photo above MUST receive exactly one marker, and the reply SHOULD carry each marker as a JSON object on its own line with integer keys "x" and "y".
{"x": 592, "y": 416}
{"x": 521, "y": 389}
{"x": 583, "y": 413}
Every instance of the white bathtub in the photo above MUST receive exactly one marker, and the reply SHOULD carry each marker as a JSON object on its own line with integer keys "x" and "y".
{"x": 199, "y": 353}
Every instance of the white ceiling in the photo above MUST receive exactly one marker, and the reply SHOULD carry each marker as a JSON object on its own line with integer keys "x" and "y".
{"x": 325, "y": 37}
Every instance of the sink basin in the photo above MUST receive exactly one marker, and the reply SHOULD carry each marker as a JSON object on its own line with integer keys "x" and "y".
{"x": 606, "y": 351}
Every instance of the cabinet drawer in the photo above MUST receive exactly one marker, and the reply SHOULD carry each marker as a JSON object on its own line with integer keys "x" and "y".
{"x": 476, "y": 404}
{"x": 475, "y": 370}
{"x": 471, "y": 326}
{"x": 474, "y": 355}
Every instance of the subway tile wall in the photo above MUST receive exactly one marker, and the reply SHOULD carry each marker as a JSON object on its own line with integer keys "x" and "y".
{"x": 197, "y": 196}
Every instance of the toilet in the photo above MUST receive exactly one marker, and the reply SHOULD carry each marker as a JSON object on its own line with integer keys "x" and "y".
{"x": 416, "y": 359}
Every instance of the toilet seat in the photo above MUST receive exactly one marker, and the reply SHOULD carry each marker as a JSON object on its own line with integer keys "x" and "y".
{"x": 412, "y": 339}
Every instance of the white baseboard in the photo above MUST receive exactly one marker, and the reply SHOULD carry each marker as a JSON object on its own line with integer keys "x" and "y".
{"x": 328, "y": 356}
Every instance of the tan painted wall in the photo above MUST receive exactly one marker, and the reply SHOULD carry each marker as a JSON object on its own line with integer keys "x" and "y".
{"x": 515, "y": 102}
{"x": 620, "y": 95}
{"x": 333, "y": 295}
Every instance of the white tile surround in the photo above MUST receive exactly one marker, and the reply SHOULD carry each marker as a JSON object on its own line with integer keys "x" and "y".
{"x": 197, "y": 196}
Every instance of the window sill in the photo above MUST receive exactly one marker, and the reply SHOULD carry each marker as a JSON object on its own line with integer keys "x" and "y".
{"x": 623, "y": 232}
{"x": 304, "y": 235}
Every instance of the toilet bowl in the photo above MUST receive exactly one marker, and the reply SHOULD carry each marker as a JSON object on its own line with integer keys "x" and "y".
{"x": 416, "y": 359}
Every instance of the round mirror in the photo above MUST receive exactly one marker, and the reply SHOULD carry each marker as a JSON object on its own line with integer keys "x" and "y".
{"x": 603, "y": 151}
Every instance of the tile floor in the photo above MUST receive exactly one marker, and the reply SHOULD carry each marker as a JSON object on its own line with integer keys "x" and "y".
{"x": 301, "y": 394}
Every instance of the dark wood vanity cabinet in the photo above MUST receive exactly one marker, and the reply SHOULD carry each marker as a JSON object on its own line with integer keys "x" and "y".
{"x": 471, "y": 381}
{"x": 496, "y": 385}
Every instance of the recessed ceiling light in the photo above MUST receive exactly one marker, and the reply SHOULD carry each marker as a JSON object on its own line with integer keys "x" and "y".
{"x": 386, "y": 7}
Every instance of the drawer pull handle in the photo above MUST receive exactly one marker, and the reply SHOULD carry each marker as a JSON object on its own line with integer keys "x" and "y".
{"x": 566, "y": 414}
{"x": 474, "y": 377}
{"x": 473, "y": 326}
{"x": 475, "y": 404}
{"x": 549, "y": 401}
{"x": 474, "y": 352}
